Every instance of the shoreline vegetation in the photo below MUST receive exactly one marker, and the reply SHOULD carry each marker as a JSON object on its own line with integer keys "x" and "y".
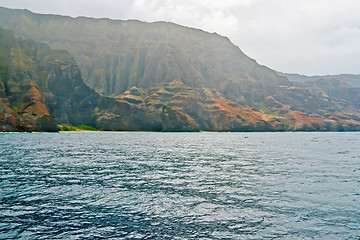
{"x": 68, "y": 128}
{"x": 135, "y": 131}
{"x": 65, "y": 127}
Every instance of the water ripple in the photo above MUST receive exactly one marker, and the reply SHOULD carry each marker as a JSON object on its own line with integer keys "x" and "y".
{"x": 179, "y": 185}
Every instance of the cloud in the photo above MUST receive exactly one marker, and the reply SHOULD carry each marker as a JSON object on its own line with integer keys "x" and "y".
{"x": 307, "y": 36}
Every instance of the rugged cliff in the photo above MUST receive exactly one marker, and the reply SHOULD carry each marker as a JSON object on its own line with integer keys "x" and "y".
{"x": 22, "y": 106}
{"x": 40, "y": 87}
{"x": 342, "y": 92}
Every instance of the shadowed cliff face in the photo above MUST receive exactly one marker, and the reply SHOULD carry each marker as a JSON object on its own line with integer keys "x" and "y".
{"x": 23, "y": 107}
{"x": 40, "y": 87}
{"x": 9, "y": 119}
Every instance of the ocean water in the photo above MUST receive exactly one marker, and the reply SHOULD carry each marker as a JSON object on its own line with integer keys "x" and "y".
{"x": 180, "y": 185}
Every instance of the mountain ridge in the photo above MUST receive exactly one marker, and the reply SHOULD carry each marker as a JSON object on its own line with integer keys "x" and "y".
{"x": 352, "y": 79}
{"x": 106, "y": 60}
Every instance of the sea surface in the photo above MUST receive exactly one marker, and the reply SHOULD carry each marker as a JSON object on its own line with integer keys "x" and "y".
{"x": 133, "y": 185}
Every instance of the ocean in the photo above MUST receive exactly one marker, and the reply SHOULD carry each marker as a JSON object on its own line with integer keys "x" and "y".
{"x": 145, "y": 185}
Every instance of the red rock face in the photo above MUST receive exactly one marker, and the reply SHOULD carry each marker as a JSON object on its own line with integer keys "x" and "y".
{"x": 34, "y": 104}
{"x": 22, "y": 107}
{"x": 238, "y": 111}
{"x": 183, "y": 108}
{"x": 175, "y": 121}
{"x": 9, "y": 120}
{"x": 299, "y": 121}
{"x": 181, "y": 105}
{"x": 34, "y": 112}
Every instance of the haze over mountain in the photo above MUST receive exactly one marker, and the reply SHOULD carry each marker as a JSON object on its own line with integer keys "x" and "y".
{"x": 307, "y": 37}
{"x": 351, "y": 79}
{"x": 116, "y": 55}
{"x": 167, "y": 77}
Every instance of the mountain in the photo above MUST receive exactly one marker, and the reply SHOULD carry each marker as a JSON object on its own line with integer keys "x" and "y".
{"x": 198, "y": 108}
{"x": 162, "y": 76}
{"x": 116, "y": 55}
{"x": 351, "y": 79}
{"x": 342, "y": 91}
{"x": 40, "y": 87}
{"x": 22, "y": 105}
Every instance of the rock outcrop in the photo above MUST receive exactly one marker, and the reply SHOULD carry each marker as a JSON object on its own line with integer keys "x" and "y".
{"x": 22, "y": 104}
{"x": 175, "y": 121}
{"x": 9, "y": 119}
{"x": 184, "y": 108}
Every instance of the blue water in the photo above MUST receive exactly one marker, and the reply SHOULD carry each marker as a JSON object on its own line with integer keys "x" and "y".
{"x": 180, "y": 186}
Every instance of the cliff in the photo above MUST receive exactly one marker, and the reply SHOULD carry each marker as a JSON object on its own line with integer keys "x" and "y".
{"x": 40, "y": 87}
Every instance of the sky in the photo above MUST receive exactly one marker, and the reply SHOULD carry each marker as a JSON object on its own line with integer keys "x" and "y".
{"x": 311, "y": 37}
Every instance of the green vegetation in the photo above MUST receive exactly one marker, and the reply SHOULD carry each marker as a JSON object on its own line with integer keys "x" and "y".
{"x": 66, "y": 127}
{"x": 70, "y": 128}
{"x": 271, "y": 114}
{"x": 86, "y": 127}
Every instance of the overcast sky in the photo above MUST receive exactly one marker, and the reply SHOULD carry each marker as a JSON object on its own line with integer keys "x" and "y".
{"x": 312, "y": 37}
